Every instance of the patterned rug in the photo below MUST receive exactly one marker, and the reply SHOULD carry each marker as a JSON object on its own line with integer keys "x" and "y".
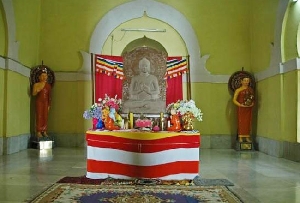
{"x": 66, "y": 192}
{"x": 111, "y": 181}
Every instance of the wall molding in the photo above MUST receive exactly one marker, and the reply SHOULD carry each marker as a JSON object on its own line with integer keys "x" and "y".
{"x": 82, "y": 75}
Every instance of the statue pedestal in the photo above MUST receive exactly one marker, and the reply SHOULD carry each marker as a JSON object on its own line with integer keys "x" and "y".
{"x": 42, "y": 143}
{"x": 244, "y": 146}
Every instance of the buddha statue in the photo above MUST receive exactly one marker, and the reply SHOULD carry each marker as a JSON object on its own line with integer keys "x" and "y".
{"x": 144, "y": 92}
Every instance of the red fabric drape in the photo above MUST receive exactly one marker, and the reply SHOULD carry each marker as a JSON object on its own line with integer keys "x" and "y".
{"x": 174, "y": 89}
{"x": 109, "y": 85}
{"x": 106, "y": 76}
{"x": 174, "y": 80}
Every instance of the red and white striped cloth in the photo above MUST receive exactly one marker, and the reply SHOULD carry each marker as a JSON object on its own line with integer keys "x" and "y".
{"x": 126, "y": 155}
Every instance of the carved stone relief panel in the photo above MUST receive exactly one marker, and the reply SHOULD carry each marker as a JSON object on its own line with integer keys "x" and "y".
{"x": 158, "y": 66}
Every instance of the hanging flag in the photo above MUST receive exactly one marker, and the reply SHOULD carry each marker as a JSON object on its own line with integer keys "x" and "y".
{"x": 109, "y": 65}
{"x": 176, "y": 66}
{"x": 113, "y": 66}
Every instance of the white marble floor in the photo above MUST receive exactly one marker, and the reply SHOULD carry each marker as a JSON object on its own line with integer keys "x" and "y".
{"x": 257, "y": 177}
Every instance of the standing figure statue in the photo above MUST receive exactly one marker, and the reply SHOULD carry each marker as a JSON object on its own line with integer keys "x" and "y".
{"x": 243, "y": 98}
{"x": 144, "y": 92}
{"x": 42, "y": 91}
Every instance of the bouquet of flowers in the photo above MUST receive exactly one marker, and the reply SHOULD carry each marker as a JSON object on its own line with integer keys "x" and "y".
{"x": 182, "y": 107}
{"x": 110, "y": 102}
{"x": 95, "y": 111}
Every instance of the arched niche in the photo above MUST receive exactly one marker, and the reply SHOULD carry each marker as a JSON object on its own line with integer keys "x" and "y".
{"x": 144, "y": 42}
{"x": 156, "y": 10}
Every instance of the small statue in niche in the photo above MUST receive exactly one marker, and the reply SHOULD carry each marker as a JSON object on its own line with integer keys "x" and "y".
{"x": 242, "y": 84}
{"x": 42, "y": 80}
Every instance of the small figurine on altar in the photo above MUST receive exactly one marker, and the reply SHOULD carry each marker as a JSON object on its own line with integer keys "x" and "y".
{"x": 119, "y": 120}
{"x": 175, "y": 122}
{"x": 108, "y": 117}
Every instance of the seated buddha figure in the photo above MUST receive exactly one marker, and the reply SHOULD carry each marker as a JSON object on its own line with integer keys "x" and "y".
{"x": 144, "y": 92}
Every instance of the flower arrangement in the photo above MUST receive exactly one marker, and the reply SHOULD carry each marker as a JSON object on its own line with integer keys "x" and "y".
{"x": 106, "y": 103}
{"x": 94, "y": 111}
{"x": 110, "y": 102}
{"x": 182, "y": 107}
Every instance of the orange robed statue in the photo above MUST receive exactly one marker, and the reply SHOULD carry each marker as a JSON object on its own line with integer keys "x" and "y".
{"x": 42, "y": 79}
{"x": 243, "y": 98}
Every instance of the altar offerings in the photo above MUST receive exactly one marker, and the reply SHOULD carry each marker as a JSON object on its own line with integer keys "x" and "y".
{"x": 126, "y": 155}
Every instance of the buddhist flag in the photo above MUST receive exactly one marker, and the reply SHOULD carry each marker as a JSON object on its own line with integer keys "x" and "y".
{"x": 176, "y": 66}
{"x": 109, "y": 65}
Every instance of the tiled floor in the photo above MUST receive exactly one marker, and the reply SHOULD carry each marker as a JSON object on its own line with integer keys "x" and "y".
{"x": 257, "y": 177}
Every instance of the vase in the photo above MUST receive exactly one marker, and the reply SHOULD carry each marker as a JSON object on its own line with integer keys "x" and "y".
{"x": 98, "y": 123}
{"x": 187, "y": 120}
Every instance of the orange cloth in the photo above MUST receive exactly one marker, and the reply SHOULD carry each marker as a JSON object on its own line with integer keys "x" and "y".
{"x": 110, "y": 124}
{"x": 42, "y": 104}
{"x": 244, "y": 114}
{"x": 175, "y": 122}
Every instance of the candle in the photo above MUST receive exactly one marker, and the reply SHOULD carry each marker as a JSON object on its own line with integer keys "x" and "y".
{"x": 131, "y": 120}
{"x": 162, "y": 121}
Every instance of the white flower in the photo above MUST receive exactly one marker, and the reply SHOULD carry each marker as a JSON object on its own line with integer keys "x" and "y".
{"x": 182, "y": 107}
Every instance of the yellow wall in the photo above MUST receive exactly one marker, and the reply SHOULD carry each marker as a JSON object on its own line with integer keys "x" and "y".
{"x": 66, "y": 29}
{"x": 228, "y": 41}
{"x": 2, "y": 99}
{"x": 277, "y": 107}
{"x": 69, "y": 100}
{"x": 18, "y": 97}
{"x": 292, "y": 20}
{"x": 269, "y": 107}
{"x": 117, "y": 44}
{"x": 219, "y": 113}
{"x": 235, "y": 34}
{"x": 262, "y": 30}
{"x": 28, "y": 30}
{"x": 289, "y": 103}
{"x": 2, "y": 31}
{"x": 238, "y": 38}
{"x": 223, "y": 32}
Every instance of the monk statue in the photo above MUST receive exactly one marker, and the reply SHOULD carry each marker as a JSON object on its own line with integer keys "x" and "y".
{"x": 175, "y": 122}
{"x": 144, "y": 92}
{"x": 42, "y": 91}
{"x": 244, "y": 100}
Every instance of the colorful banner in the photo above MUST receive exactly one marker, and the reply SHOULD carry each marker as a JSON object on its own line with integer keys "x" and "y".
{"x": 176, "y": 66}
{"x": 110, "y": 65}
{"x": 113, "y": 66}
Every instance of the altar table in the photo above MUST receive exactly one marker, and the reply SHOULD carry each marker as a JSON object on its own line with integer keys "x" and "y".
{"x": 138, "y": 154}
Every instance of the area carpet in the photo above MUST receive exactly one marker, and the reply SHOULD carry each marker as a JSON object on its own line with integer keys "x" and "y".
{"x": 85, "y": 190}
{"x": 66, "y": 192}
{"x": 110, "y": 181}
